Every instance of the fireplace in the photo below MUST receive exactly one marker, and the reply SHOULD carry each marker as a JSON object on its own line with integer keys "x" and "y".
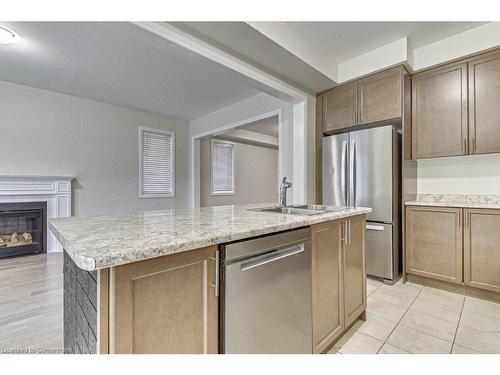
{"x": 23, "y": 228}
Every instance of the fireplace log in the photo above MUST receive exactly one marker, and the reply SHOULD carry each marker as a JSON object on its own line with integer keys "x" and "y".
{"x": 14, "y": 237}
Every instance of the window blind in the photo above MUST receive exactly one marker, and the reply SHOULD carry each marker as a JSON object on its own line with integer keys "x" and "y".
{"x": 222, "y": 168}
{"x": 157, "y": 163}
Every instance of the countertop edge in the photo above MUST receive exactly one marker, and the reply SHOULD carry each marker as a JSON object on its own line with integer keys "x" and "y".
{"x": 97, "y": 263}
{"x": 453, "y": 204}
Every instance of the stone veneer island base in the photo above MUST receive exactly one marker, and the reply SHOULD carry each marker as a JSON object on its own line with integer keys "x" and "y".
{"x": 80, "y": 309}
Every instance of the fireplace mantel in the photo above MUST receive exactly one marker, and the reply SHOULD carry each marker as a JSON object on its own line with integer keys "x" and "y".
{"x": 55, "y": 190}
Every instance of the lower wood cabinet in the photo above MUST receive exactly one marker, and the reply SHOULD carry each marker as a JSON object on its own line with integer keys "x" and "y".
{"x": 338, "y": 278}
{"x": 327, "y": 289}
{"x": 454, "y": 245}
{"x": 481, "y": 249}
{"x": 354, "y": 268}
{"x": 434, "y": 242}
{"x": 165, "y": 305}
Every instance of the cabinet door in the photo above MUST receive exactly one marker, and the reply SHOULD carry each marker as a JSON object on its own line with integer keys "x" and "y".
{"x": 481, "y": 260}
{"x": 484, "y": 104}
{"x": 339, "y": 107}
{"x": 434, "y": 242}
{"x": 439, "y": 112}
{"x": 165, "y": 305}
{"x": 354, "y": 269}
{"x": 327, "y": 312}
{"x": 380, "y": 96}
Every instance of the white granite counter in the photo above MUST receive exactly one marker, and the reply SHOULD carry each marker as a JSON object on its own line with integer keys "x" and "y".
{"x": 106, "y": 241}
{"x": 457, "y": 200}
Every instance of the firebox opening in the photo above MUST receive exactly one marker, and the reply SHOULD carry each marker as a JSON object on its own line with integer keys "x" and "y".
{"x": 23, "y": 228}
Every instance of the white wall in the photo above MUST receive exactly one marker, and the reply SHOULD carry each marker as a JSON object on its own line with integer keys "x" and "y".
{"x": 47, "y": 133}
{"x": 478, "y": 174}
{"x": 249, "y": 109}
{"x": 256, "y": 175}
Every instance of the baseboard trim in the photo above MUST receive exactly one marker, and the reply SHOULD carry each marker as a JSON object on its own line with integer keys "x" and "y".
{"x": 455, "y": 288}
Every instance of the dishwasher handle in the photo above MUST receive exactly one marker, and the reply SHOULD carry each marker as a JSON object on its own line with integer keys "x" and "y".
{"x": 284, "y": 253}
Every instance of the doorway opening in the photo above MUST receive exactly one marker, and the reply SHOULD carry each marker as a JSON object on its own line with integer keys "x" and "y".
{"x": 241, "y": 165}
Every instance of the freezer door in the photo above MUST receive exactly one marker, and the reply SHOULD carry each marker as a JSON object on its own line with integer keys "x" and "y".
{"x": 379, "y": 250}
{"x": 335, "y": 167}
{"x": 371, "y": 152}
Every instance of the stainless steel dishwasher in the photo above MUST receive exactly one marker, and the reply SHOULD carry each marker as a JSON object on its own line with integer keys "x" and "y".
{"x": 267, "y": 294}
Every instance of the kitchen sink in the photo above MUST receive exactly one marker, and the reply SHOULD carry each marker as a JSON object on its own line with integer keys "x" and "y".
{"x": 305, "y": 209}
{"x": 321, "y": 208}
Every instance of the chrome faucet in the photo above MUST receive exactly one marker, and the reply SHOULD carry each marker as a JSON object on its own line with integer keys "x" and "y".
{"x": 283, "y": 188}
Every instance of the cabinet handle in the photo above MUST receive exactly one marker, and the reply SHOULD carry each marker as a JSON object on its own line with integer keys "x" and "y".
{"x": 465, "y": 145}
{"x": 344, "y": 227}
{"x": 473, "y": 144}
{"x": 349, "y": 231}
{"x": 216, "y": 284}
{"x": 354, "y": 117}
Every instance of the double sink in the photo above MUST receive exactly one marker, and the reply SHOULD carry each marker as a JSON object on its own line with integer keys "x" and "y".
{"x": 302, "y": 209}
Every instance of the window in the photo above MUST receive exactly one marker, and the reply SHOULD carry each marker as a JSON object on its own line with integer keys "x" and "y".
{"x": 156, "y": 153}
{"x": 222, "y": 166}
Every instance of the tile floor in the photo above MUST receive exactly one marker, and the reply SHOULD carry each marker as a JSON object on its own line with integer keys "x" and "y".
{"x": 409, "y": 318}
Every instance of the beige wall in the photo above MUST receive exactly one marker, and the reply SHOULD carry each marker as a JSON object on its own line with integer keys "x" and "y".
{"x": 256, "y": 175}
{"x": 47, "y": 133}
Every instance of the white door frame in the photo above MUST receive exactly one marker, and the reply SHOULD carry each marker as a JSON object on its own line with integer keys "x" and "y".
{"x": 303, "y": 108}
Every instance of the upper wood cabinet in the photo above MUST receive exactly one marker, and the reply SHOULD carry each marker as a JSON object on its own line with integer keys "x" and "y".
{"x": 484, "y": 104}
{"x": 354, "y": 269}
{"x": 339, "y": 107}
{"x": 481, "y": 239}
{"x": 380, "y": 96}
{"x": 165, "y": 305}
{"x": 439, "y": 112}
{"x": 456, "y": 108}
{"x": 434, "y": 242}
{"x": 371, "y": 99}
{"x": 327, "y": 294}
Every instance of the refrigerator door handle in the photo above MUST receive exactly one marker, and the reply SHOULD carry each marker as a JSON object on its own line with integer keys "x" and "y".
{"x": 374, "y": 227}
{"x": 352, "y": 177}
{"x": 343, "y": 173}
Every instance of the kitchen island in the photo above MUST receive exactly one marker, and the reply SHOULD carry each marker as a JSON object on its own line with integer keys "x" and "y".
{"x": 149, "y": 282}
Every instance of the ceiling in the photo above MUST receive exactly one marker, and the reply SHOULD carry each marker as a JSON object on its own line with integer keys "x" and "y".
{"x": 309, "y": 54}
{"x": 243, "y": 41}
{"x": 267, "y": 126}
{"x": 343, "y": 41}
{"x": 119, "y": 63}
{"x": 123, "y": 64}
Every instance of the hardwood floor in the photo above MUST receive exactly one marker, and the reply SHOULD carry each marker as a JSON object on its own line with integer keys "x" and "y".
{"x": 31, "y": 304}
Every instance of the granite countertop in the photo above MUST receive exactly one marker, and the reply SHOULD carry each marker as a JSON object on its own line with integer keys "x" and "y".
{"x": 457, "y": 200}
{"x": 106, "y": 241}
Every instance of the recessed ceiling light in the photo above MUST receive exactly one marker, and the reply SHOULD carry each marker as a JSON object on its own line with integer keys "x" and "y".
{"x": 7, "y": 36}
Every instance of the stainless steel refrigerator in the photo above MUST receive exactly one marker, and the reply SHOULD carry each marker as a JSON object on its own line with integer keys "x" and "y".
{"x": 363, "y": 168}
